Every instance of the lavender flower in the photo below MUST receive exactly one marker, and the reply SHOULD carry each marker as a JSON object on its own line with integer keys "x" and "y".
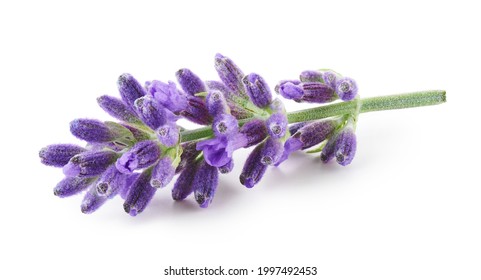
{"x": 184, "y": 185}
{"x": 205, "y": 184}
{"x": 229, "y": 74}
{"x": 330, "y": 78}
{"x": 150, "y": 111}
{"x": 117, "y": 109}
{"x": 254, "y": 131}
{"x": 130, "y": 90}
{"x": 315, "y": 92}
{"x": 140, "y": 194}
{"x": 253, "y": 169}
{"x": 59, "y": 155}
{"x": 142, "y": 152}
{"x": 92, "y": 201}
{"x": 90, "y": 163}
{"x": 141, "y": 155}
{"x": 346, "y": 88}
{"x": 190, "y": 82}
{"x": 345, "y": 147}
{"x": 91, "y": 130}
{"x": 168, "y": 134}
{"x": 216, "y": 103}
{"x": 111, "y": 182}
{"x": 277, "y": 125}
{"x": 72, "y": 185}
{"x": 258, "y": 90}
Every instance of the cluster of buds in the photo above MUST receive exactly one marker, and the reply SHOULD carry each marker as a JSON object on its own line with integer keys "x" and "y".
{"x": 145, "y": 149}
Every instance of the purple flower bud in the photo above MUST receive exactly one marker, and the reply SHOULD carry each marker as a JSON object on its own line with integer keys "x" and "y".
{"x": 258, "y": 90}
{"x": 227, "y": 167}
{"x": 183, "y": 187}
{"x": 255, "y": 131}
{"x": 140, "y": 194}
{"x": 142, "y": 154}
{"x": 272, "y": 151}
{"x": 311, "y": 76}
{"x": 225, "y": 125}
{"x": 277, "y": 125}
{"x": 345, "y": 148}
{"x": 162, "y": 173}
{"x": 72, "y": 185}
{"x": 89, "y": 164}
{"x": 117, "y": 109}
{"x": 329, "y": 149}
{"x": 168, "y": 134}
{"x": 91, "y": 130}
{"x": 150, "y": 112}
{"x": 188, "y": 156}
{"x": 58, "y": 155}
{"x": 129, "y": 89}
{"x": 229, "y": 74}
{"x": 189, "y": 81}
{"x": 346, "y": 88}
{"x": 315, "y": 132}
{"x": 290, "y": 90}
{"x": 216, "y": 103}
{"x": 253, "y": 168}
{"x": 317, "y": 93}
{"x": 330, "y": 78}
{"x": 168, "y": 95}
{"x": 111, "y": 182}
{"x": 196, "y": 111}
{"x": 92, "y": 201}
{"x": 277, "y": 88}
{"x": 205, "y": 183}
{"x": 128, "y": 183}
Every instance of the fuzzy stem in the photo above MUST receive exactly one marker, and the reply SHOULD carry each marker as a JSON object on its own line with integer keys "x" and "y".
{"x": 371, "y": 104}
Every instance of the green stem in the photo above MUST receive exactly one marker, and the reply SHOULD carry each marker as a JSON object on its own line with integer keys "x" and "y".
{"x": 372, "y": 104}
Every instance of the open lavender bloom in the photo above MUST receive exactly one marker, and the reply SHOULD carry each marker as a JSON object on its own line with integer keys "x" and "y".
{"x": 144, "y": 150}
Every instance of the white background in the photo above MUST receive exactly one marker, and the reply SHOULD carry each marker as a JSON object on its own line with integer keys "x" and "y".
{"x": 408, "y": 207}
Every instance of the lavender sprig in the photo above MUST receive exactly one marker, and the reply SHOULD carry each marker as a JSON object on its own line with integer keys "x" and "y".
{"x": 143, "y": 151}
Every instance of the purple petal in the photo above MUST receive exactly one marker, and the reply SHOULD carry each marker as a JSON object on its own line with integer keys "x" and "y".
{"x": 291, "y": 91}
{"x": 141, "y": 155}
